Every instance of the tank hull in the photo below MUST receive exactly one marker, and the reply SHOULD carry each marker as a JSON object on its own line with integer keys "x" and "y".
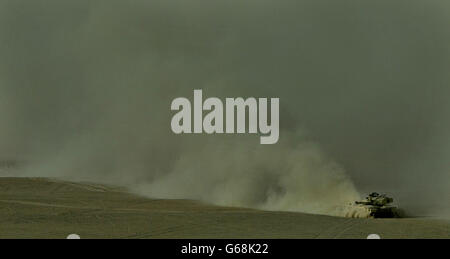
{"x": 369, "y": 211}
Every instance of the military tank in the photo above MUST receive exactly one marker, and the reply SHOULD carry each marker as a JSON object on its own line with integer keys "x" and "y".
{"x": 374, "y": 206}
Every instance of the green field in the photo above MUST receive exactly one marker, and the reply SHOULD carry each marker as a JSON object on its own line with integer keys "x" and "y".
{"x": 43, "y": 208}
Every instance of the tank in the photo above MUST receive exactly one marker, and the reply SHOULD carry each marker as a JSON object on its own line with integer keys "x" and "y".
{"x": 374, "y": 206}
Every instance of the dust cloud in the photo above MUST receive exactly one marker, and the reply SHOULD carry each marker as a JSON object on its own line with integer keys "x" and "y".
{"x": 86, "y": 87}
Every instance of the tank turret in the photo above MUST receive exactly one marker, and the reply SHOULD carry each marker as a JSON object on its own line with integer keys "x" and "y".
{"x": 376, "y": 199}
